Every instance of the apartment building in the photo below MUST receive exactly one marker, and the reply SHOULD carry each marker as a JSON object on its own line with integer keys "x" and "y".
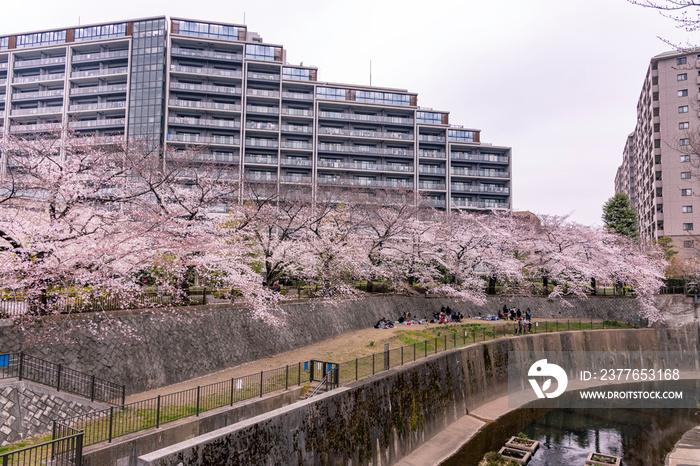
{"x": 660, "y": 162}
{"x": 218, "y": 87}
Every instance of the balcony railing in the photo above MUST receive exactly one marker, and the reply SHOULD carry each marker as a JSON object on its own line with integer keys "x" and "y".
{"x": 480, "y": 173}
{"x": 205, "y": 88}
{"x": 297, "y": 96}
{"x": 297, "y": 112}
{"x": 204, "y": 122}
{"x": 206, "y": 54}
{"x": 263, "y": 92}
{"x": 359, "y": 182}
{"x": 263, "y": 76}
{"x": 96, "y": 106}
{"x": 480, "y": 157}
{"x": 95, "y": 123}
{"x": 35, "y": 127}
{"x": 37, "y": 94}
{"x": 100, "y": 72}
{"x": 431, "y": 170}
{"x": 297, "y": 129}
{"x": 286, "y": 162}
{"x": 440, "y": 203}
{"x": 100, "y": 56}
{"x": 360, "y": 117}
{"x": 207, "y": 105}
{"x": 253, "y": 142}
{"x": 261, "y": 159}
{"x": 479, "y": 204}
{"x": 207, "y": 70}
{"x": 294, "y": 178}
{"x": 262, "y": 125}
{"x": 261, "y": 177}
{"x": 435, "y": 186}
{"x": 36, "y": 111}
{"x": 3, "y": 65}
{"x": 39, "y": 62}
{"x": 428, "y": 138}
{"x": 364, "y": 166}
{"x": 98, "y": 89}
{"x": 199, "y": 139}
{"x": 262, "y": 109}
{"x": 42, "y": 77}
{"x": 479, "y": 188}
{"x": 364, "y": 150}
{"x": 365, "y": 133}
{"x": 433, "y": 154}
{"x": 297, "y": 145}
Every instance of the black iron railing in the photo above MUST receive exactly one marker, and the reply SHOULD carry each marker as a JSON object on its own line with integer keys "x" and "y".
{"x": 65, "y": 449}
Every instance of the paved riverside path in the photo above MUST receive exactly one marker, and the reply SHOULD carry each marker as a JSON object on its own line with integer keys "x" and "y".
{"x": 687, "y": 450}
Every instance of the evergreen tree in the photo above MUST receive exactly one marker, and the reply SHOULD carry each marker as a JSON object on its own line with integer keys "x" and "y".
{"x": 619, "y": 216}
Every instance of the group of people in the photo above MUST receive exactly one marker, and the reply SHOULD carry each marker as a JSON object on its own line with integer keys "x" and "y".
{"x": 384, "y": 323}
{"x": 447, "y": 314}
{"x": 524, "y": 319}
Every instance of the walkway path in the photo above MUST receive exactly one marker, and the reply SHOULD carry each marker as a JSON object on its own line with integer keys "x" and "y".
{"x": 687, "y": 450}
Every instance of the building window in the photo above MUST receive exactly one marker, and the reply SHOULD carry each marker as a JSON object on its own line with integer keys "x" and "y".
{"x": 688, "y": 226}
{"x": 331, "y": 93}
{"x": 685, "y": 158}
{"x": 657, "y": 127}
{"x": 688, "y": 243}
{"x": 683, "y": 93}
{"x": 686, "y": 192}
{"x": 682, "y": 77}
{"x": 681, "y": 61}
{"x": 300, "y": 74}
{"x": 260, "y": 52}
{"x": 687, "y": 209}
{"x": 429, "y": 117}
{"x": 388, "y": 98}
{"x": 684, "y": 125}
{"x": 685, "y": 175}
{"x": 460, "y": 135}
{"x": 684, "y": 142}
{"x": 656, "y": 111}
{"x": 683, "y": 109}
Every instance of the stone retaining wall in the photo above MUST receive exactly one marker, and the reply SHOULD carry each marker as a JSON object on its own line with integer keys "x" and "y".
{"x": 169, "y": 347}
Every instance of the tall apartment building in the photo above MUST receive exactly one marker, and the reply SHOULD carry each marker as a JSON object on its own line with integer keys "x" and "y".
{"x": 660, "y": 162}
{"x": 219, "y": 87}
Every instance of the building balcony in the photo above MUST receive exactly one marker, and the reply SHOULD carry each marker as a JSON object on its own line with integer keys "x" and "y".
{"x": 261, "y": 177}
{"x": 263, "y": 76}
{"x": 3, "y": 65}
{"x": 480, "y": 157}
{"x": 438, "y": 203}
{"x": 38, "y": 127}
{"x": 303, "y": 145}
{"x": 203, "y": 122}
{"x": 100, "y": 56}
{"x": 432, "y": 154}
{"x": 205, "y": 88}
{"x": 364, "y": 150}
{"x": 115, "y": 88}
{"x": 456, "y": 171}
{"x": 431, "y": 170}
{"x": 96, "y": 106}
{"x": 204, "y": 105}
{"x": 268, "y": 143}
{"x": 21, "y": 64}
{"x": 100, "y": 72}
{"x": 297, "y": 129}
{"x": 37, "y": 111}
{"x": 370, "y": 118}
{"x": 263, "y": 93}
{"x": 39, "y": 78}
{"x": 36, "y": 94}
{"x": 265, "y": 126}
{"x": 463, "y": 203}
{"x": 362, "y": 182}
{"x": 365, "y": 166}
{"x": 287, "y": 162}
{"x": 199, "y": 139}
{"x": 97, "y": 123}
{"x": 214, "y": 157}
{"x": 297, "y": 112}
{"x": 3, "y": 81}
{"x": 206, "y": 71}
{"x": 366, "y": 133}
{"x": 464, "y": 188}
{"x": 262, "y": 109}
{"x": 297, "y": 96}
{"x": 261, "y": 159}
{"x": 429, "y": 138}
{"x": 296, "y": 179}
{"x": 431, "y": 185}
{"x": 224, "y": 56}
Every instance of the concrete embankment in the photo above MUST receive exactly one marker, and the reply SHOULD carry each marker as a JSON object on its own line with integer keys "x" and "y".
{"x": 151, "y": 349}
{"x": 382, "y": 419}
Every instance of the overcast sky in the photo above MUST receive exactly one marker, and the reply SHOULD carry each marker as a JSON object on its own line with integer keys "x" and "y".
{"x": 556, "y": 80}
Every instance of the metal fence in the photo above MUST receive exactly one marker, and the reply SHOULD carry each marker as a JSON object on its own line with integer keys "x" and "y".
{"x": 118, "y": 421}
{"x": 13, "y": 306}
{"x": 61, "y": 378}
{"x": 66, "y": 449}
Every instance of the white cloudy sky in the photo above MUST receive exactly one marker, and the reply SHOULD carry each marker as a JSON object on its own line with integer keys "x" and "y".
{"x": 557, "y": 80}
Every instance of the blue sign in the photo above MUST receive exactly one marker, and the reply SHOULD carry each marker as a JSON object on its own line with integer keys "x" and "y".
{"x": 4, "y": 360}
